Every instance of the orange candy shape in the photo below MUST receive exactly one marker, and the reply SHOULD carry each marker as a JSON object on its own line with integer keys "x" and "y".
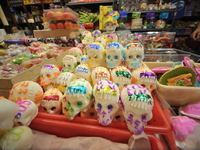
{"x": 60, "y": 25}
{"x": 52, "y": 26}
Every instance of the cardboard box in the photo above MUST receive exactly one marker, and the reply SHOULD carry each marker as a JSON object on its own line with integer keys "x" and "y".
{"x": 57, "y": 33}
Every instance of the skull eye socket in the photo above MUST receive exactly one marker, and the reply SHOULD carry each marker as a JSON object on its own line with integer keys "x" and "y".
{"x": 108, "y": 56}
{"x": 125, "y": 84}
{"x": 68, "y": 65}
{"x": 142, "y": 85}
{"x": 45, "y": 109}
{"x": 116, "y": 57}
{"x": 48, "y": 75}
{"x": 95, "y": 56}
{"x": 130, "y": 57}
{"x": 99, "y": 105}
{"x": 89, "y": 57}
{"x": 110, "y": 106}
{"x": 138, "y": 56}
{"x": 52, "y": 108}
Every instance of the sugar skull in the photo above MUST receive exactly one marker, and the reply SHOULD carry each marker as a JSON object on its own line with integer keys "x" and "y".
{"x": 76, "y": 52}
{"x": 144, "y": 77}
{"x": 64, "y": 105}
{"x": 114, "y": 54}
{"x": 121, "y": 76}
{"x": 111, "y": 37}
{"x": 26, "y": 90}
{"x": 89, "y": 112}
{"x": 64, "y": 79}
{"x": 48, "y": 74}
{"x": 84, "y": 59}
{"x": 99, "y": 73}
{"x": 27, "y": 112}
{"x": 83, "y": 71}
{"x": 69, "y": 63}
{"x": 134, "y": 55}
{"x": 79, "y": 96}
{"x": 52, "y": 101}
{"x": 137, "y": 105}
{"x": 87, "y": 39}
{"x": 101, "y": 40}
{"x": 106, "y": 95}
{"x": 8, "y": 111}
{"x": 96, "y": 33}
{"x": 160, "y": 23}
{"x": 18, "y": 138}
{"x": 96, "y": 55}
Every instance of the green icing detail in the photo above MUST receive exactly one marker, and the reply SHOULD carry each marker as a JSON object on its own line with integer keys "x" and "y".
{"x": 71, "y": 110}
{"x": 140, "y": 97}
{"x": 79, "y": 104}
{"x": 180, "y": 82}
{"x": 18, "y": 137}
{"x": 90, "y": 96}
{"x": 123, "y": 74}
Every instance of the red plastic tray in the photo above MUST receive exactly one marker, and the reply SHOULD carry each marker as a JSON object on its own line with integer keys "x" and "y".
{"x": 71, "y": 129}
{"x": 159, "y": 124}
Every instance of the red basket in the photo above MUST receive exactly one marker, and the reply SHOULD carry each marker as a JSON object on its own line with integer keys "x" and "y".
{"x": 71, "y": 129}
{"x": 159, "y": 124}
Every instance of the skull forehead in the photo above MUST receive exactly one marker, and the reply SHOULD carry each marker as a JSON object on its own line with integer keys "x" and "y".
{"x": 53, "y": 91}
{"x": 135, "y": 93}
{"x": 69, "y": 58}
{"x": 8, "y": 107}
{"x": 95, "y": 47}
{"x": 82, "y": 68}
{"x": 121, "y": 71}
{"x": 49, "y": 69}
{"x": 75, "y": 51}
{"x": 106, "y": 87}
{"x": 65, "y": 78}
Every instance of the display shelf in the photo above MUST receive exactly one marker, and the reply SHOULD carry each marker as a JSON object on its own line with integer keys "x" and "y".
{"x": 155, "y": 11}
{"x": 89, "y": 3}
{"x": 147, "y": 30}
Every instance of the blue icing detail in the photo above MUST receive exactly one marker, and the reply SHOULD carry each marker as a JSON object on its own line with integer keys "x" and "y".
{"x": 95, "y": 46}
{"x": 84, "y": 58}
{"x": 114, "y": 44}
{"x": 122, "y": 53}
{"x": 117, "y": 84}
{"x": 197, "y": 83}
{"x": 76, "y": 90}
{"x": 99, "y": 105}
{"x": 81, "y": 69}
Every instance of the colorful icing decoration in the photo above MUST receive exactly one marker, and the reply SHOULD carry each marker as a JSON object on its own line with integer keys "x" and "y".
{"x": 84, "y": 59}
{"x": 96, "y": 55}
{"x": 76, "y": 52}
{"x": 101, "y": 40}
{"x": 106, "y": 95}
{"x": 134, "y": 55}
{"x": 64, "y": 79}
{"x": 69, "y": 63}
{"x": 114, "y": 54}
{"x": 48, "y": 75}
{"x": 51, "y": 102}
{"x": 181, "y": 76}
{"x": 99, "y": 73}
{"x": 144, "y": 77}
{"x": 79, "y": 96}
{"x": 26, "y": 90}
{"x": 27, "y": 112}
{"x": 83, "y": 71}
{"x": 137, "y": 107}
{"x": 161, "y": 69}
{"x": 8, "y": 111}
{"x": 18, "y": 138}
{"x": 121, "y": 76}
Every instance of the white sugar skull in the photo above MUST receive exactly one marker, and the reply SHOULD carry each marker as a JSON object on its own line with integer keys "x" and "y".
{"x": 64, "y": 79}
{"x": 144, "y": 77}
{"x": 137, "y": 105}
{"x": 18, "y": 138}
{"x": 96, "y": 55}
{"x": 99, "y": 73}
{"x": 106, "y": 95}
{"x": 121, "y": 76}
{"x": 83, "y": 71}
{"x": 69, "y": 63}
{"x": 79, "y": 96}
{"x": 134, "y": 55}
{"x": 114, "y": 54}
{"x": 27, "y": 112}
{"x": 64, "y": 105}
{"x": 48, "y": 74}
{"x": 87, "y": 39}
{"x": 101, "y": 40}
{"x": 76, "y": 52}
{"x": 26, "y": 90}
{"x": 84, "y": 59}
{"x": 8, "y": 111}
{"x": 111, "y": 37}
{"x": 96, "y": 33}
{"x": 52, "y": 101}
